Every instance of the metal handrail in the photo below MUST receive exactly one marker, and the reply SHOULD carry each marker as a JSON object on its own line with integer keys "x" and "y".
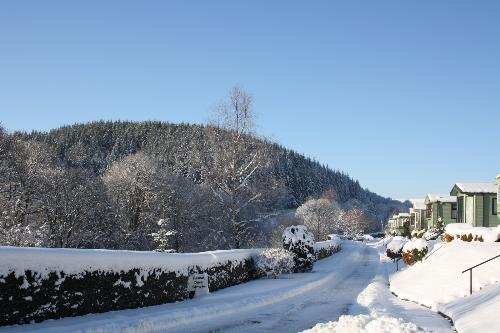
{"x": 471, "y": 268}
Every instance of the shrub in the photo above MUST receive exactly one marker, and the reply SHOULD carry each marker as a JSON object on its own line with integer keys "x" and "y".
{"x": 300, "y": 242}
{"x": 432, "y": 234}
{"x": 415, "y": 250}
{"x": 405, "y": 232}
{"x": 274, "y": 262}
{"x": 448, "y": 238}
{"x": 418, "y": 233}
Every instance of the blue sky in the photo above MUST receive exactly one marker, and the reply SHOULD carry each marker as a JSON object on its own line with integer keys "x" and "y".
{"x": 404, "y": 96}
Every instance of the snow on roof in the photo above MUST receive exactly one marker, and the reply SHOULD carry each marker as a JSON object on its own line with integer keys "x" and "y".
{"x": 477, "y": 187}
{"x": 441, "y": 198}
{"x": 418, "y": 203}
{"x": 403, "y": 215}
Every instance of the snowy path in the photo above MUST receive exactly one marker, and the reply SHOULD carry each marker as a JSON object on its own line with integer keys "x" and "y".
{"x": 283, "y": 305}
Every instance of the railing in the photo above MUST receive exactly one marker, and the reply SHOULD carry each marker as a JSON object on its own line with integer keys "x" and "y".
{"x": 471, "y": 268}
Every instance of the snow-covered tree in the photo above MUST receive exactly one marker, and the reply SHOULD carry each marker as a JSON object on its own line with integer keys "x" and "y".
{"x": 321, "y": 216}
{"x": 139, "y": 189}
{"x": 300, "y": 242}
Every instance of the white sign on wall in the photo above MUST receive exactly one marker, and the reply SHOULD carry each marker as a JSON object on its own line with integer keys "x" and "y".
{"x": 199, "y": 284}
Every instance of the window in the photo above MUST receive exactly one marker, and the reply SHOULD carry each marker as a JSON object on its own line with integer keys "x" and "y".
{"x": 494, "y": 206}
{"x": 453, "y": 210}
{"x": 429, "y": 211}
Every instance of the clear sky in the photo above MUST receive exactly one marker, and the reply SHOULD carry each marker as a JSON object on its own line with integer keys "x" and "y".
{"x": 404, "y": 96}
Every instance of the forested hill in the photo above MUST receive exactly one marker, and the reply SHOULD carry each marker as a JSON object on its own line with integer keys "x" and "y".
{"x": 181, "y": 147}
{"x": 154, "y": 185}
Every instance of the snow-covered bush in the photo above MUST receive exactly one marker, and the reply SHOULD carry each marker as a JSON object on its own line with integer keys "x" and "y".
{"x": 395, "y": 247}
{"x": 418, "y": 233}
{"x": 274, "y": 262}
{"x": 300, "y": 242}
{"x": 467, "y": 233}
{"x": 432, "y": 234}
{"x": 414, "y": 250}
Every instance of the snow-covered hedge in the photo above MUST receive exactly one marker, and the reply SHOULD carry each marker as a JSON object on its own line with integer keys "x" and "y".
{"x": 327, "y": 248}
{"x": 38, "y": 284}
{"x": 414, "y": 250}
{"x": 468, "y": 233}
{"x": 274, "y": 262}
{"x": 298, "y": 240}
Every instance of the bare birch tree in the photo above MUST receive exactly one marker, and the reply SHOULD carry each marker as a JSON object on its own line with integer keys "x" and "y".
{"x": 236, "y": 158}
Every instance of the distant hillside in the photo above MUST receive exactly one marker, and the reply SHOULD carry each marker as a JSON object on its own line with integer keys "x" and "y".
{"x": 181, "y": 147}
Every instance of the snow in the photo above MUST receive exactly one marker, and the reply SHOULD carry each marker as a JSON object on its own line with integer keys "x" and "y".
{"x": 403, "y": 215}
{"x": 285, "y": 305}
{"x": 441, "y": 198}
{"x": 439, "y": 280}
{"x": 477, "y": 313}
{"x": 366, "y": 323}
{"x": 488, "y": 234}
{"x": 477, "y": 187}
{"x": 386, "y": 313}
{"x": 75, "y": 261}
{"x": 350, "y": 287}
{"x": 418, "y": 244}
{"x": 396, "y": 244}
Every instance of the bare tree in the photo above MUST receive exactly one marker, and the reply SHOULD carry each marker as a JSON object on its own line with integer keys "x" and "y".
{"x": 355, "y": 222}
{"x": 236, "y": 158}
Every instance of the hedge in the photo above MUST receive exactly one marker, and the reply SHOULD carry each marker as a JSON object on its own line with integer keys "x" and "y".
{"x": 38, "y": 284}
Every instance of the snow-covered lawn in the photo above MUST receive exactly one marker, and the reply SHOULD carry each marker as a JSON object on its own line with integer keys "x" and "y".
{"x": 439, "y": 279}
{"x": 438, "y": 282}
{"x": 349, "y": 288}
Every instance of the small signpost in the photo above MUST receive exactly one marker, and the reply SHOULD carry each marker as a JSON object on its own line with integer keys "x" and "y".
{"x": 198, "y": 284}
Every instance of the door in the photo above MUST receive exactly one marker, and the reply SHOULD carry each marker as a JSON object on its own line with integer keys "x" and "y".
{"x": 469, "y": 210}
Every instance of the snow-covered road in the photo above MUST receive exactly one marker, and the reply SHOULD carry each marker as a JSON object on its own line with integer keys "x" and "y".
{"x": 290, "y": 304}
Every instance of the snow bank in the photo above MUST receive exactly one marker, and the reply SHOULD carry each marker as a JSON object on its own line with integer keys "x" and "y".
{"x": 75, "y": 261}
{"x": 477, "y": 313}
{"x": 464, "y": 229}
{"x": 372, "y": 323}
{"x": 439, "y": 279}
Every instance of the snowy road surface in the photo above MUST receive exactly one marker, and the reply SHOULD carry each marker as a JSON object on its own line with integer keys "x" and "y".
{"x": 289, "y": 304}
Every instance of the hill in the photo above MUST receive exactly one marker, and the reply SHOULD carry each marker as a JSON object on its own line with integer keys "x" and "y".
{"x": 177, "y": 156}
